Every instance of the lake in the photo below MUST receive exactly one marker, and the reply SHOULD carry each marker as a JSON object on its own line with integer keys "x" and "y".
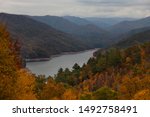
{"x": 63, "y": 61}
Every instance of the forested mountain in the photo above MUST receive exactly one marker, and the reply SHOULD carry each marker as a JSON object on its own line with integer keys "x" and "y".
{"x": 136, "y": 37}
{"x": 138, "y": 30}
{"x": 111, "y": 74}
{"x": 38, "y": 39}
{"x": 133, "y": 32}
{"x": 90, "y": 34}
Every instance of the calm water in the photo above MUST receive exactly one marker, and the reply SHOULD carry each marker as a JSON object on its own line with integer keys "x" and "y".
{"x": 63, "y": 61}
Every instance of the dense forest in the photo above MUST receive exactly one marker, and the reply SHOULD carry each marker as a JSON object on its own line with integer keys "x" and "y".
{"x": 112, "y": 74}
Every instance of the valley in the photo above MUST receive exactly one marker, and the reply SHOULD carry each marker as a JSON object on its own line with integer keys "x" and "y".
{"x": 62, "y": 62}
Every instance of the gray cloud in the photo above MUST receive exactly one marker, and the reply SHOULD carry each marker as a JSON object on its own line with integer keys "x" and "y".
{"x": 125, "y": 8}
{"x": 83, "y": 8}
{"x": 115, "y": 3}
{"x": 102, "y": 2}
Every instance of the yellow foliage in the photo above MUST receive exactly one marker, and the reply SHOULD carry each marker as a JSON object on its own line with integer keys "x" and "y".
{"x": 70, "y": 94}
{"x": 7, "y": 66}
{"x": 142, "y": 95}
{"x": 25, "y": 85}
{"x": 52, "y": 90}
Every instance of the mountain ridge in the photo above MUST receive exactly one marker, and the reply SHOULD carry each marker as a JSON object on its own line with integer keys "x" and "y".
{"x": 134, "y": 39}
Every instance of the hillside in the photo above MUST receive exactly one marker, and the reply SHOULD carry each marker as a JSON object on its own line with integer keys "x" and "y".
{"x": 135, "y": 38}
{"x": 90, "y": 34}
{"x": 38, "y": 39}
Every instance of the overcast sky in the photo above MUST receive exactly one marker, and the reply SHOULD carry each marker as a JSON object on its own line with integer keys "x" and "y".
{"x": 82, "y": 8}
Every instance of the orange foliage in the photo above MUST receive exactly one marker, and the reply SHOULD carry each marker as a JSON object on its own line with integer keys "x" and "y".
{"x": 142, "y": 95}
{"x": 25, "y": 85}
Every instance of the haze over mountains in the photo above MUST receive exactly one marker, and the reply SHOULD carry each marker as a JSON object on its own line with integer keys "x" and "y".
{"x": 43, "y": 36}
{"x": 107, "y": 22}
{"x": 77, "y": 20}
{"x": 117, "y": 28}
{"x": 87, "y": 32}
{"x": 126, "y": 26}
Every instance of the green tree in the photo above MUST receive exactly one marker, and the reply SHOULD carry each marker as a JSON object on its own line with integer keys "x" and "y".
{"x": 104, "y": 93}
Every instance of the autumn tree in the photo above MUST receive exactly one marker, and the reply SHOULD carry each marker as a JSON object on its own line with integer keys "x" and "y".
{"x": 8, "y": 69}
{"x": 52, "y": 90}
{"x": 25, "y": 89}
{"x": 15, "y": 82}
{"x": 70, "y": 94}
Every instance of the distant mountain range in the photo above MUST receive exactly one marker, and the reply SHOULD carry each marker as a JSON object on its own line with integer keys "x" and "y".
{"x": 43, "y": 36}
{"x": 89, "y": 33}
{"x": 77, "y": 20}
{"x": 107, "y": 22}
{"x": 127, "y": 26}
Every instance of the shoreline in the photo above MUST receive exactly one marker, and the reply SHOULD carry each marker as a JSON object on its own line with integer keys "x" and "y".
{"x": 37, "y": 59}
{"x": 57, "y": 55}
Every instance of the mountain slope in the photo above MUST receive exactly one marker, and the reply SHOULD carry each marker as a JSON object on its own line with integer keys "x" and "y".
{"x": 134, "y": 39}
{"x": 38, "y": 39}
{"x": 89, "y": 34}
{"x": 58, "y": 23}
